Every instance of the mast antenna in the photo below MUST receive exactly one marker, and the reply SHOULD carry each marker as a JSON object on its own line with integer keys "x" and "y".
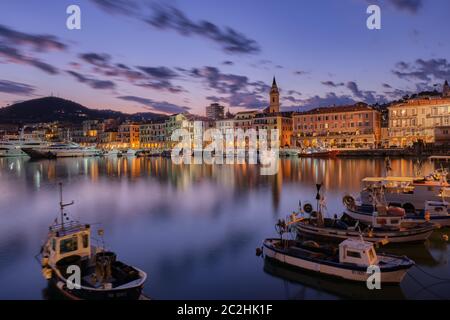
{"x": 62, "y": 205}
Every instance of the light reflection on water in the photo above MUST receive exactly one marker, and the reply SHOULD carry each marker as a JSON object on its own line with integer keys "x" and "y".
{"x": 194, "y": 229}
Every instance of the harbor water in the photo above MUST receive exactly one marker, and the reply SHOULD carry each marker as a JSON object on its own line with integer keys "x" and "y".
{"x": 194, "y": 228}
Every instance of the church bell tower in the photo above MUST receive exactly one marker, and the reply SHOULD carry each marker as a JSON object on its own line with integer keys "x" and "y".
{"x": 274, "y": 105}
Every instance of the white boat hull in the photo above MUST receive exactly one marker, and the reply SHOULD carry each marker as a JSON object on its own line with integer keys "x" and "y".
{"x": 392, "y": 277}
{"x": 406, "y": 236}
{"x": 443, "y": 221}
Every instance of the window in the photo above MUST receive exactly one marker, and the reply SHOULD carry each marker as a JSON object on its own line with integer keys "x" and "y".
{"x": 353, "y": 254}
{"x": 85, "y": 240}
{"x": 68, "y": 245}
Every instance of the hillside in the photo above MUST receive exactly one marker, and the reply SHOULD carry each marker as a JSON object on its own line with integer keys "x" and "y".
{"x": 50, "y": 109}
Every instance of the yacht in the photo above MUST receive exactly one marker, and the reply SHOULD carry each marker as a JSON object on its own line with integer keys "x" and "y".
{"x": 59, "y": 150}
{"x": 101, "y": 276}
{"x": 13, "y": 147}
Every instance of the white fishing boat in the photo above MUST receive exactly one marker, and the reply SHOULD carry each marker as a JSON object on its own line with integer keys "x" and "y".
{"x": 349, "y": 261}
{"x": 130, "y": 153}
{"x": 385, "y": 226}
{"x": 410, "y": 193}
{"x": 436, "y": 212}
{"x": 61, "y": 150}
{"x": 69, "y": 247}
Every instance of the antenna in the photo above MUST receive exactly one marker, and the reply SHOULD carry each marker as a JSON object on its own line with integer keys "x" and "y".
{"x": 62, "y": 205}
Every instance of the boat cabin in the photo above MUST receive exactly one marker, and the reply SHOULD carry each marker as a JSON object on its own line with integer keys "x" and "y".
{"x": 357, "y": 252}
{"x": 407, "y": 192}
{"x": 70, "y": 239}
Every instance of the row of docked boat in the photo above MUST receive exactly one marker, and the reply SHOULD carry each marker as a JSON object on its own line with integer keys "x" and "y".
{"x": 39, "y": 149}
{"x": 344, "y": 247}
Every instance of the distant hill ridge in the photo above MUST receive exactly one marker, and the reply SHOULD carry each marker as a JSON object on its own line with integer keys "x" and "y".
{"x": 50, "y": 109}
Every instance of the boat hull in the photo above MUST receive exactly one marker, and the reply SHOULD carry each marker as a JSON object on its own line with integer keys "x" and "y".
{"x": 366, "y": 217}
{"x": 413, "y": 235}
{"x": 346, "y": 272}
{"x": 50, "y": 154}
{"x": 85, "y": 294}
{"x": 324, "y": 154}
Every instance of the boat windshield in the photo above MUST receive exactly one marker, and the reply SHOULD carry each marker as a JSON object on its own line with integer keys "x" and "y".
{"x": 68, "y": 245}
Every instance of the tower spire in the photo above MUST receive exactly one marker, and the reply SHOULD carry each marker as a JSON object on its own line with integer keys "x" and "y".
{"x": 274, "y": 82}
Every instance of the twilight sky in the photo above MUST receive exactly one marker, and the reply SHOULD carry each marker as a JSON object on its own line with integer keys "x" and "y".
{"x": 172, "y": 56}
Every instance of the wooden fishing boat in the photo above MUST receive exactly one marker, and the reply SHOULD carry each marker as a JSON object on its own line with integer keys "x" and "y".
{"x": 81, "y": 270}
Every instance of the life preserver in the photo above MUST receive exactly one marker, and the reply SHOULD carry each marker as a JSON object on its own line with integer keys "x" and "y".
{"x": 308, "y": 208}
{"x": 348, "y": 201}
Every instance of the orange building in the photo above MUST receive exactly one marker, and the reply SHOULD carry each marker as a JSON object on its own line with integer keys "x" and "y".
{"x": 354, "y": 126}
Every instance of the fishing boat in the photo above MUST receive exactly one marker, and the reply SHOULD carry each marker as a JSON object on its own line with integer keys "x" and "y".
{"x": 350, "y": 260}
{"x": 68, "y": 251}
{"x": 410, "y": 193}
{"x": 60, "y": 150}
{"x": 386, "y": 226}
{"x": 436, "y": 212}
{"x": 381, "y": 230}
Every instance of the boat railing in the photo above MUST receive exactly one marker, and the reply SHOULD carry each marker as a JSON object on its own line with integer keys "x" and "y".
{"x": 67, "y": 227}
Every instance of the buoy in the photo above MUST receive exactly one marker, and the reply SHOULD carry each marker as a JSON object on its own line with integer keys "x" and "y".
{"x": 258, "y": 252}
{"x": 445, "y": 237}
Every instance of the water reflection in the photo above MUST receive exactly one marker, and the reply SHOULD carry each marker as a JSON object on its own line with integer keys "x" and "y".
{"x": 193, "y": 229}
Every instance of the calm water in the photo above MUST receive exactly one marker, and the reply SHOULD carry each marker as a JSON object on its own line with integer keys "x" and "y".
{"x": 193, "y": 229}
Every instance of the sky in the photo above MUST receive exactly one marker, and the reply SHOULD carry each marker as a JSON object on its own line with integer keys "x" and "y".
{"x": 176, "y": 56}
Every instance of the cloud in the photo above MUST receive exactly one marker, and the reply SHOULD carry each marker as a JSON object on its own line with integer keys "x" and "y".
{"x": 228, "y": 63}
{"x": 300, "y": 73}
{"x": 293, "y": 92}
{"x": 12, "y": 87}
{"x": 38, "y": 42}
{"x": 332, "y": 84}
{"x": 159, "y": 72}
{"x": 125, "y": 7}
{"x": 423, "y": 70}
{"x": 12, "y": 54}
{"x": 409, "y": 5}
{"x": 93, "y": 83}
{"x": 167, "y": 17}
{"x": 386, "y": 86}
{"x": 330, "y": 99}
{"x": 366, "y": 96}
{"x": 161, "y": 106}
{"x": 157, "y": 78}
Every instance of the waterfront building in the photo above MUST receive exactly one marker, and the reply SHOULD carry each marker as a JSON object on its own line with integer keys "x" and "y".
{"x": 281, "y": 121}
{"x": 271, "y": 118}
{"x": 354, "y": 126}
{"x": 244, "y": 120}
{"x": 417, "y": 120}
{"x": 128, "y": 135}
{"x": 108, "y": 139}
{"x": 153, "y": 135}
{"x": 215, "y": 111}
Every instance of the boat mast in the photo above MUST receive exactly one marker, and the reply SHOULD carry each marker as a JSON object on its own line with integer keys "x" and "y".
{"x": 62, "y": 205}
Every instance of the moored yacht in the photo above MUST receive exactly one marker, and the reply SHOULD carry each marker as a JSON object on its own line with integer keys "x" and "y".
{"x": 13, "y": 147}
{"x": 69, "y": 251}
{"x": 58, "y": 150}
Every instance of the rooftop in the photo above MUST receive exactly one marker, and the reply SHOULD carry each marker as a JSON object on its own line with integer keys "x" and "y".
{"x": 337, "y": 109}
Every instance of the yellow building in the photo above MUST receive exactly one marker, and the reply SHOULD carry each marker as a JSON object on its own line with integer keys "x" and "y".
{"x": 128, "y": 135}
{"x": 416, "y": 120}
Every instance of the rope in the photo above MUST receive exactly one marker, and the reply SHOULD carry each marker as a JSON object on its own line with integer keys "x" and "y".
{"x": 424, "y": 288}
{"x": 433, "y": 276}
